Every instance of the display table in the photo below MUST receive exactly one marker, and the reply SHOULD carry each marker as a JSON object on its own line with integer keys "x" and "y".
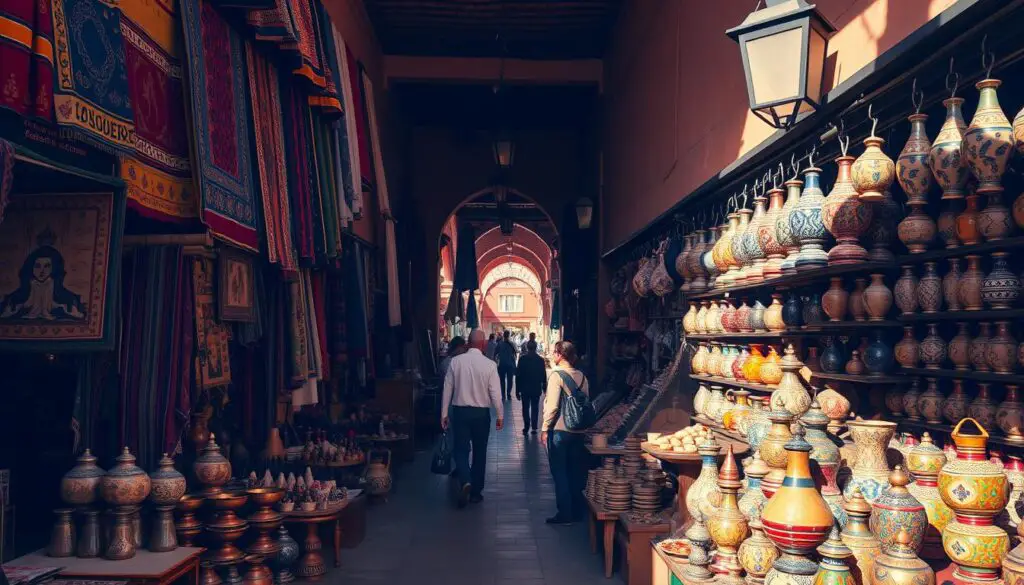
{"x": 634, "y": 540}
{"x": 311, "y": 564}
{"x": 606, "y": 521}
{"x": 665, "y": 569}
{"x": 145, "y": 567}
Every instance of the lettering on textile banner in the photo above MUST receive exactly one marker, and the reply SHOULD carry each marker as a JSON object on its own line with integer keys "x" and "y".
{"x": 213, "y": 363}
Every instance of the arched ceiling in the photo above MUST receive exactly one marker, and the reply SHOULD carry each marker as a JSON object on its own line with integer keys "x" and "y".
{"x": 520, "y": 235}
{"x": 489, "y": 258}
{"x": 513, "y": 271}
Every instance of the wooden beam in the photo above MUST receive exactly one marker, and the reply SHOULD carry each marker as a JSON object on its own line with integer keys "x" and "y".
{"x": 402, "y": 67}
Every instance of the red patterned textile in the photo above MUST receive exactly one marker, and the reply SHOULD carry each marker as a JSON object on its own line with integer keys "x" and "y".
{"x": 301, "y": 178}
{"x": 26, "y": 57}
{"x": 307, "y": 44}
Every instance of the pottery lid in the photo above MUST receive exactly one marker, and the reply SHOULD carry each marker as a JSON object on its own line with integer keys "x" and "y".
{"x": 126, "y": 465}
{"x": 86, "y": 467}
{"x": 211, "y": 452}
{"x": 834, "y": 548}
{"x": 729, "y": 474}
{"x": 856, "y": 505}
{"x": 925, "y": 459}
{"x": 757, "y": 468}
{"x": 798, "y": 443}
{"x": 814, "y": 417}
{"x": 789, "y": 362}
{"x": 165, "y": 469}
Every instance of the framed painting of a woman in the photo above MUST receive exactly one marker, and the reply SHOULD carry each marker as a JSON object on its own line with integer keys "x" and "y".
{"x": 59, "y": 261}
{"x": 235, "y": 282}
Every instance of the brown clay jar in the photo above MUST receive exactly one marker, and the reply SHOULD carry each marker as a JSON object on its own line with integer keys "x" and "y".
{"x": 878, "y": 298}
{"x": 947, "y": 223}
{"x": 982, "y": 409}
{"x": 906, "y": 350}
{"x": 979, "y": 347}
{"x": 856, "y": 300}
{"x": 929, "y": 289}
{"x": 905, "y": 291}
{"x": 1001, "y": 351}
{"x": 933, "y": 348}
{"x": 951, "y": 285}
{"x": 995, "y": 221}
{"x": 967, "y": 222}
{"x": 969, "y": 291}
{"x": 917, "y": 230}
{"x": 855, "y": 367}
{"x": 835, "y": 299}
{"x": 960, "y": 348}
{"x": 955, "y": 407}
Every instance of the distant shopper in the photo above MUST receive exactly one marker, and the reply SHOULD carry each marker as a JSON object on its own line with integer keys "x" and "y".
{"x": 566, "y": 451}
{"x": 492, "y": 346}
{"x": 530, "y": 382}
{"x": 506, "y": 365}
{"x": 471, "y": 389}
{"x": 457, "y": 346}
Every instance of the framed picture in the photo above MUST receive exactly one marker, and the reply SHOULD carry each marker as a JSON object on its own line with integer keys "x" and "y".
{"x": 235, "y": 283}
{"x": 213, "y": 355}
{"x": 60, "y": 260}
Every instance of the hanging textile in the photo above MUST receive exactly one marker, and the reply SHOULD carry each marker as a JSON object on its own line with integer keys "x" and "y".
{"x": 326, "y": 98}
{"x": 338, "y": 316}
{"x": 330, "y": 192}
{"x": 220, "y": 112}
{"x": 556, "y": 309}
{"x": 466, "y": 277}
{"x": 298, "y": 336}
{"x": 6, "y": 174}
{"x": 362, "y": 151}
{"x": 158, "y": 175}
{"x": 213, "y": 361}
{"x": 273, "y": 23}
{"x": 384, "y": 202}
{"x": 356, "y": 301}
{"x": 301, "y": 174}
{"x": 26, "y": 57}
{"x": 472, "y": 318}
{"x": 349, "y": 136}
{"x": 453, "y": 313}
{"x": 265, "y": 89}
{"x": 307, "y": 42}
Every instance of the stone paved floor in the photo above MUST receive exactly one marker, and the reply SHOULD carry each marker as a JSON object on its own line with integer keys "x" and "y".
{"x": 419, "y": 537}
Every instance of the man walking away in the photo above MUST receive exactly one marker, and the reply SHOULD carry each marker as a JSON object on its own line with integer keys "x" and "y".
{"x": 492, "y": 347}
{"x": 506, "y": 365}
{"x": 471, "y": 388}
{"x": 530, "y": 380}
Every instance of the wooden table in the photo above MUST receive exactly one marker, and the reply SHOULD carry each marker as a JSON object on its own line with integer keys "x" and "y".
{"x": 607, "y": 521}
{"x": 145, "y": 567}
{"x": 634, "y": 540}
{"x": 311, "y": 564}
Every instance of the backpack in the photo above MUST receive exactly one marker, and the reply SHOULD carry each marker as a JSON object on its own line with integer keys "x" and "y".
{"x": 577, "y": 411}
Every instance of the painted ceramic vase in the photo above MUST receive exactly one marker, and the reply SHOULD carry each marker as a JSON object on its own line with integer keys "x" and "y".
{"x": 811, "y": 364}
{"x": 833, "y": 568}
{"x": 924, "y": 461}
{"x": 715, "y": 403}
{"x": 967, "y": 230}
{"x": 896, "y": 509}
{"x": 167, "y": 484}
{"x": 899, "y": 564}
{"x": 929, "y": 289}
{"x": 752, "y": 367}
{"x": 773, "y": 314}
{"x": 729, "y": 355}
{"x": 951, "y": 285}
{"x": 806, "y": 222}
{"x": 933, "y": 349}
{"x": 930, "y": 403}
{"x": 917, "y": 230}
{"x": 1001, "y": 288}
{"x": 737, "y": 366}
{"x": 857, "y": 536}
{"x": 877, "y": 298}
{"x": 757, "y": 317}
{"x": 854, "y": 366}
{"x": 846, "y": 217}
{"x": 813, "y": 313}
{"x": 832, "y": 359}
{"x": 907, "y": 350}
{"x": 882, "y": 230}
{"x": 835, "y": 406}
{"x": 739, "y": 246}
{"x": 125, "y": 484}
{"x": 690, "y": 319}
{"x": 767, "y": 235}
{"x": 910, "y": 400}
{"x": 1001, "y": 351}
{"x": 946, "y": 223}
{"x": 791, "y": 395}
{"x": 211, "y": 468}
{"x": 783, "y": 231}
{"x": 704, "y": 496}
{"x": 995, "y": 222}
{"x": 979, "y": 347}
{"x": 870, "y": 471}
{"x": 713, "y": 318}
{"x": 988, "y": 141}
{"x": 700, "y": 323}
{"x": 977, "y": 490}
{"x": 912, "y": 171}
{"x": 742, "y": 318}
{"x": 728, "y": 250}
{"x": 728, "y": 312}
{"x": 855, "y": 302}
{"x": 81, "y": 485}
{"x": 770, "y": 371}
{"x": 727, "y": 524}
{"x": 1010, "y": 415}
{"x": 955, "y": 407}
{"x": 699, "y": 277}
{"x": 753, "y": 498}
{"x": 878, "y": 357}
{"x": 873, "y": 171}
{"x": 905, "y": 291}
{"x": 757, "y": 554}
{"x": 773, "y": 450}
{"x": 1013, "y": 564}
{"x": 700, "y": 358}
{"x": 825, "y": 460}
{"x": 946, "y": 160}
{"x": 700, "y": 399}
{"x": 718, "y": 252}
{"x": 797, "y": 519}
{"x": 835, "y": 300}
{"x": 792, "y": 312}
{"x": 755, "y": 254}
{"x": 971, "y": 283}
{"x": 683, "y": 262}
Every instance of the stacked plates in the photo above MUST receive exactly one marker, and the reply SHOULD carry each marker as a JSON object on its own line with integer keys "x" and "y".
{"x": 632, "y": 443}
{"x": 646, "y": 497}
{"x": 591, "y": 489}
{"x": 617, "y": 495}
{"x": 600, "y": 481}
{"x": 632, "y": 464}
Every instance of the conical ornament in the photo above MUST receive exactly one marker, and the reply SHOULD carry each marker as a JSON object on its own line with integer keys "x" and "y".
{"x": 988, "y": 141}
{"x": 833, "y": 568}
{"x": 949, "y": 166}
{"x": 858, "y": 537}
{"x": 899, "y": 565}
{"x": 912, "y": 169}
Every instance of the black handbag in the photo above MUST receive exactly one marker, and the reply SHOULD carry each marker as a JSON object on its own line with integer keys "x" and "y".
{"x": 442, "y": 462}
{"x": 577, "y": 411}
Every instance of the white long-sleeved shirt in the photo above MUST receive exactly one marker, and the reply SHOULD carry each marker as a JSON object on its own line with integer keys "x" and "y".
{"x": 472, "y": 380}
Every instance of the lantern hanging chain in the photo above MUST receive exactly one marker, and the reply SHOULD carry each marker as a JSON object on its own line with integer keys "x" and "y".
{"x": 988, "y": 58}
{"x": 916, "y": 97}
{"x": 952, "y": 80}
{"x": 874, "y": 124}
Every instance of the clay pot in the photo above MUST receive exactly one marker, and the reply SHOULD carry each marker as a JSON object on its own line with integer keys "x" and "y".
{"x": 757, "y": 317}
{"x": 683, "y": 262}
{"x": 767, "y": 235}
{"x": 954, "y": 409}
{"x": 792, "y": 312}
{"x": 813, "y": 361}
{"x": 813, "y": 314}
{"x": 832, "y": 359}
{"x": 924, "y": 462}
{"x": 967, "y": 222}
{"x": 167, "y": 484}
{"x": 707, "y": 260}
{"x": 878, "y": 357}
{"x": 911, "y": 399}
{"x": 870, "y": 471}
{"x": 899, "y": 564}
{"x": 1010, "y": 415}
{"x": 979, "y": 347}
{"x": 701, "y": 321}
{"x": 125, "y": 484}
{"x": 929, "y": 289}
{"x": 834, "y": 301}
{"x": 770, "y": 371}
{"x": 1001, "y": 351}
{"x": 960, "y": 348}
{"x": 1001, "y": 288}
{"x": 877, "y": 298}
{"x": 951, "y": 285}
{"x": 988, "y": 141}
{"x": 882, "y": 230}
{"x": 906, "y": 350}
{"x": 873, "y": 171}
{"x": 982, "y": 408}
{"x": 949, "y": 167}
{"x": 211, "y": 468}
{"x": 969, "y": 290}
{"x": 713, "y": 318}
{"x": 690, "y": 319}
{"x": 737, "y": 366}
{"x": 896, "y": 510}
{"x": 846, "y": 216}
{"x": 912, "y": 164}
{"x": 739, "y": 246}
{"x": 946, "y": 223}
{"x": 741, "y": 321}
{"x": 905, "y": 291}
{"x": 917, "y": 230}
{"x": 806, "y": 222}
{"x": 856, "y": 300}
{"x": 783, "y": 231}
{"x": 728, "y": 319}
{"x": 854, "y": 367}
{"x": 995, "y": 221}
{"x": 773, "y": 314}
{"x": 933, "y": 348}
{"x": 930, "y": 403}
{"x": 1013, "y": 564}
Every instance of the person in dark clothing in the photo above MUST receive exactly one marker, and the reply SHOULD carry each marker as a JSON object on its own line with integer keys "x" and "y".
{"x": 506, "y": 356}
{"x": 530, "y": 382}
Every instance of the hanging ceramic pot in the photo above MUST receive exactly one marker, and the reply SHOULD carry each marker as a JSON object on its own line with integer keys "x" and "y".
{"x": 857, "y": 536}
{"x": 873, "y": 171}
{"x": 899, "y": 564}
{"x": 854, "y": 366}
{"x": 959, "y": 349}
{"x": 792, "y": 312}
{"x": 977, "y": 491}
{"x": 739, "y": 247}
{"x": 690, "y": 319}
{"x": 755, "y": 253}
{"x": 878, "y": 357}
{"x": 699, "y": 280}
{"x": 1001, "y": 288}
{"x": 813, "y": 314}
{"x": 832, "y": 359}
{"x": 846, "y": 217}
{"x": 955, "y": 407}
{"x": 806, "y": 223}
{"x": 907, "y": 352}
{"x": 896, "y": 509}
{"x": 982, "y": 409}
{"x": 856, "y": 300}
{"x": 783, "y": 232}
{"x": 967, "y": 222}
{"x": 905, "y": 291}
{"x": 912, "y": 164}
{"x": 917, "y": 230}
{"x": 995, "y": 221}
{"x": 732, "y": 265}
{"x": 767, "y": 235}
{"x": 930, "y": 403}
{"x": 911, "y": 399}
{"x": 979, "y": 347}
{"x": 770, "y": 371}
{"x": 1010, "y": 415}
{"x": 933, "y": 348}
{"x": 951, "y": 285}
{"x": 870, "y": 472}
{"x": 877, "y": 298}
{"x": 946, "y": 223}
{"x": 1001, "y": 351}
{"x": 988, "y": 141}
{"x": 949, "y": 166}
{"x": 882, "y": 230}
{"x": 773, "y": 314}
{"x": 757, "y": 317}
{"x": 970, "y": 285}
{"x": 707, "y": 259}
{"x": 718, "y": 252}
{"x": 683, "y": 262}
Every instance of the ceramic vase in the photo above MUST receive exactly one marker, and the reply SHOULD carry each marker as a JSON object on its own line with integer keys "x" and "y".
{"x": 897, "y": 509}
{"x": 757, "y": 554}
{"x": 700, "y": 323}
{"x": 832, "y": 359}
{"x": 988, "y": 141}
{"x": 791, "y": 394}
{"x": 959, "y": 348}
{"x": 834, "y": 301}
{"x": 979, "y": 347}
{"x": 873, "y": 171}
{"x": 1010, "y": 415}
{"x": 882, "y": 230}
{"x": 946, "y": 160}
{"x": 167, "y": 485}
{"x": 969, "y": 291}
{"x": 727, "y": 525}
{"x": 1010, "y": 518}
{"x": 813, "y": 313}
{"x": 742, "y": 319}
{"x": 700, "y": 358}
{"x": 805, "y": 220}
{"x": 836, "y": 406}
{"x": 855, "y": 301}
{"x": 825, "y": 459}
{"x": 911, "y": 399}
{"x": 933, "y": 349}
{"x": 982, "y": 409}
{"x": 878, "y": 357}
{"x": 767, "y": 235}
{"x": 967, "y": 222}
{"x": 773, "y": 449}
{"x": 707, "y": 259}
{"x": 715, "y": 403}
{"x": 713, "y": 318}
{"x": 924, "y": 461}
{"x": 833, "y": 568}
{"x": 753, "y": 498}
{"x": 951, "y": 285}
{"x": 718, "y": 252}
{"x": 783, "y": 231}
{"x": 690, "y": 319}
{"x": 870, "y": 472}
{"x": 857, "y": 536}
{"x": 1001, "y": 288}
{"x": 211, "y": 468}
{"x": 757, "y": 317}
{"x": 773, "y": 314}
{"x": 770, "y": 371}
{"x": 730, "y": 266}
{"x": 1001, "y": 351}
{"x": 906, "y": 351}
{"x": 846, "y": 217}
{"x": 1013, "y": 564}
{"x": 737, "y": 366}
{"x": 877, "y": 298}
{"x": 698, "y": 276}
{"x": 792, "y": 312}
{"x": 946, "y": 223}
{"x": 728, "y": 312}
{"x": 752, "y": 366}
{"x": 125, "y": 484}
{"x": 929, "y": 289}
{"x": 704, "y": 495}
{"x": 917, "y": 230}
{"x": 854, "y": 366}
{"x": 977, "y": 491}
{"x": 912, "y": 171}
{"x": 755, "y": 254}
{"x": 995, "y": 222}
{"x": 739, "y": 247}
{"x": 700, "y": 399}
{"x": 905, "y": 291}
{"x": 899, "y": 564}
{"x": 81, "y": 485}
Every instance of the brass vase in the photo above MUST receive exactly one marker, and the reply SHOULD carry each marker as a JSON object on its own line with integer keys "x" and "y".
{"x": 211, "y": 468}
{"x": 125, "y": 484}
{"x": 88, "y": 545}
{"x": 168, "y": 486}
{"x": 873, "y": 171}
{"x": 900, "y": 565}
{"x": 81, "y": 485}
{"x": 62, "y": 535}
{"x": 727, "y": 525}
{"x": 121, "y": 544}
{"x": 857, "y": 536}
{"x": 188, "y": 526}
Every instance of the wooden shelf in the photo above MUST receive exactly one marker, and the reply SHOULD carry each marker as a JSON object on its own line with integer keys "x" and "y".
{"x": 862, "y": 379}
{"x": 788, "y": 281}
{"x": 983, "y": 248}
{"x": 823, "y": 329}
{"x": 986, "y": 315}
{"x": 946, "y": 429}
{"x": 965, "y": 375}
{"x": 733, "y": 383}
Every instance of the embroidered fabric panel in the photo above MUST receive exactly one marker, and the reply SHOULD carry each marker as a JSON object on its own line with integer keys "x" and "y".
{"x": 26, "y": 57}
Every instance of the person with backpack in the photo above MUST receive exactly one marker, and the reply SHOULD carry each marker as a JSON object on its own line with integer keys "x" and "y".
{"x": 567, "y": 414}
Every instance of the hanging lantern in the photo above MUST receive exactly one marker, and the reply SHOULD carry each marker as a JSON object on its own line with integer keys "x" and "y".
{"x": 504, "y": 152}
{"x": 783, "y": 46}
{"x": 584, "y": 212}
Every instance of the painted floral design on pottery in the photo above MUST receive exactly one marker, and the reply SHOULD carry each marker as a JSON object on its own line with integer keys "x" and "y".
{"x": 933, "y": 349}
{"x": 683, "y": 262}
{"x": 806, "y": 223}
{"x": 757, "y": 553}
{"x": 912, "y": 171}
{"x": 870, "y": 472}
{"x": 873, "y": 171}
{"x": 767, "y": 235}
{"x": 704, "y": 496}
{"x": 951, "y": 284}
{"x": 727, "y": 524}
{"x": 783, "y": 231}
{"x": 924, "y": 461}
{"x": 905, "y": 291}
{"x": 168, "y": 485}
{"x": 995, "y": 222}
{"x": 896, "y": 509}
{"x": 857, "y": 536}
{"x": 846, "y": 217}
{"x": 930, "y": 403}
{"x": 211, "y": 468}
{"x": 946, "y": 160}
{"x": 899, "y": 564}
{"x": 988, "y": 141}
{"x": 929, "y": 289}
{"x": 739, "y": 246}
{"x": 835, "y": 406}
{"x": 125, "y": 484}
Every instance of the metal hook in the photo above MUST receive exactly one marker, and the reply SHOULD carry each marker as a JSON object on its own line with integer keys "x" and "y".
{"x": 988, "y": 59}
{"x": 844, "y": 144}
{"x": 955, "y": 77}
{"x": 874, "y": 123}
{"x": 794, "y": 165}
{"x": 779, "y": 175}
{"x": 916, "y": 97}
{"x": 810, "y": 155}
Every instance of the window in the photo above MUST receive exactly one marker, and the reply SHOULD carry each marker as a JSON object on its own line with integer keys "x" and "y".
{"x": 511, "y": 303}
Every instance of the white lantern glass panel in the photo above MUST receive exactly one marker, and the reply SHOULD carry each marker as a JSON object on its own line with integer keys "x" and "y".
{"x": 775, "y": 67}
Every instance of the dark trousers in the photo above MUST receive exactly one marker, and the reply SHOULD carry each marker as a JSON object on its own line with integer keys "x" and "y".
{"x": 507, "y": 376}
{"x": 568, "y": 462}
{"x": 531, "y": 410}
{"x": 471, "y": 426}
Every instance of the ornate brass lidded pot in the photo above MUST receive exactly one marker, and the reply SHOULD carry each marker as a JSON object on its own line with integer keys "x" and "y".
{"x": 727, "y": 525}
{"x": 899, "y": 565}
{"x": 211, "y": 468}
{"x": 168, "y": 489}
{"x": 81, "y": 485}
{"x": 924, "y": 461}
{"x": 833, "y": 568}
